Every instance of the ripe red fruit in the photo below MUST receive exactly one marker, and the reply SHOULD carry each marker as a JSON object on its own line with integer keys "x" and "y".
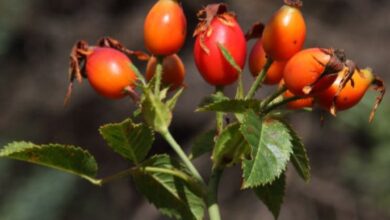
{"x": 304, "y": 68}
{"x": 285, "y": 33}
{"x": 109, "y": 72}
{"x": 219, "y": 28}
{"x": 173, "y": 71}
{"x": 165, "y": 28}
{"x": 350, "y": 95}
{"x": 257, "y": 60}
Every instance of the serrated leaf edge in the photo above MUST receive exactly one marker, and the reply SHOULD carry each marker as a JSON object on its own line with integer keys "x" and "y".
{"x": 35, "y": 146}
{"x": 294, "y": 135}
{"x": 244, "y": 186}
{"x": 208, "y": 107}
{"x": 276, "y": 215}
{"x": 134, "y": 159}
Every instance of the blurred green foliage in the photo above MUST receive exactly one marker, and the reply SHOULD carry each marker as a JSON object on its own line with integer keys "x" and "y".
{"x": 39, "y": 195}
{"x": 30, "y": 192}
{"x": 366, "y": 166}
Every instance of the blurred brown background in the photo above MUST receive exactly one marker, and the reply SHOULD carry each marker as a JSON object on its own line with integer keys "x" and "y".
{"x": 350, "y": 158}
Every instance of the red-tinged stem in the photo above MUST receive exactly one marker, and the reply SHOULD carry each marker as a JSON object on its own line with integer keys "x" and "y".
{"x": 294, "y": 3}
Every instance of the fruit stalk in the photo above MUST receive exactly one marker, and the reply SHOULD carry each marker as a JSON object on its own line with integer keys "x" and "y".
{"x": 273, "y": 96}
{"x": 281, "y": 103}
{"x": 179, "y": 151}
{"x": 259, "y": 79}
{"x": 158, "y": 74}
{"x": 212, "y": 196}
{"x": 219, "y": 115}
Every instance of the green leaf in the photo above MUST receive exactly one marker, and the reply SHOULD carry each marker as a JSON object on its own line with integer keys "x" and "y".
{"x": 299, "y": 157}
{"x": 228, "y": 57}
{"x": 226, "y": 54}
{"x": 230, "y": 147}
{"x": 140, "y": 77}
{"x": 272, "y": 194}
{"x": 173, "y": 196}
{"x": 234, "y": 106}
{"x": 156, "y": 114}
{"x": 131, "y": 141}
{"x": 211, "y": 99}
{"x": 270, "y": 149}
{"x": 171, "y": 103}
{"x": 69, "y": 159}
{"x": 204, "y": 143}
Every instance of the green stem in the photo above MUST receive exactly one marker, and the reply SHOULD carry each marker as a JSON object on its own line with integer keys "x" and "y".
{"x": 158, "y": 75}
{"x": 176, "y": 147}
{"x": 127, "y": 172}
{"x": 219, "y": 117}
{"x": 259, "y": 80}
{"x": 273, "y": 96}
{"x": 281, "y": 103}
{"x": 179, "y": 174}
{"x": 214, "y": 180}
{"x": 116, "y": 176}
{"x": 173, "y": 172}
{"x": 285, "y": 112}
{"x": 212, "y": 196}
{"x": 94, "y": 181}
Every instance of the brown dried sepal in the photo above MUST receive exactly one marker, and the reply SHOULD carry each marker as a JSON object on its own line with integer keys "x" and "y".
{"x": 337, "y": 62}
{"x": 205, "y": 17}
{"x": 348, "y": 74}
{"x": 77, "y": 56}
{"x": 379, "y": 86}
{"x": 256, "y": 31}
{"x": 113, "y": 43}
{"x": 79, "y": 51}
{"x": 294, "y": 3}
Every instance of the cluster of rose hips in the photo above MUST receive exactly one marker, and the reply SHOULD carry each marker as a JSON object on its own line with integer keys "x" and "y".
{"x": 308, "y": 77}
